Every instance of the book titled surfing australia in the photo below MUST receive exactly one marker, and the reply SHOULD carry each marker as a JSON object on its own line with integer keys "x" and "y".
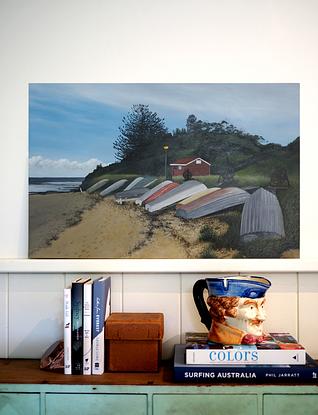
{"x": 307, "y": 373}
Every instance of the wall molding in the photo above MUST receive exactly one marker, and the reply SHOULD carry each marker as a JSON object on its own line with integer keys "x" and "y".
{"x": 156, "y": 265}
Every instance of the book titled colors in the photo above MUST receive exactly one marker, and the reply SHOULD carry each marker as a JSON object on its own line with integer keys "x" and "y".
{"x": 276, "y": 348}
{"x": 203, "y": 373}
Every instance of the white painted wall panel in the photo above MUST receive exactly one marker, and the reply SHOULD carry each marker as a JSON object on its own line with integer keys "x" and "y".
{"x": 31, "y": 307}
{"x": 4, "y": 278}
{"x": 308, "y": 306}
{"x": 35, "y": 313}
{"x": 156, "y": 293}
{"x": 282, "y": 304}
{"x": 116, "y": 293}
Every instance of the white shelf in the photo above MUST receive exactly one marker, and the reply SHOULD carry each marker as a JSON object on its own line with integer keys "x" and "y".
{"x": 156, "y": 265}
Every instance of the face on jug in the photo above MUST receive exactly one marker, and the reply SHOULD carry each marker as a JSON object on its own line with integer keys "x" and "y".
{"x": 236, "y": 308}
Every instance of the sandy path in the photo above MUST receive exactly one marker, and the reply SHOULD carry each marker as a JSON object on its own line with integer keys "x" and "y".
{"x": 109, "y": 230}
{"x": 52, "y": 213}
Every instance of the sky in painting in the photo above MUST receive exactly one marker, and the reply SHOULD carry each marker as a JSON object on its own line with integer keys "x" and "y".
{"x": 72, "y": 127}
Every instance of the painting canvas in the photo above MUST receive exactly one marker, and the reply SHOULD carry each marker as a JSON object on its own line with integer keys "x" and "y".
{"x": 164, "y": 171}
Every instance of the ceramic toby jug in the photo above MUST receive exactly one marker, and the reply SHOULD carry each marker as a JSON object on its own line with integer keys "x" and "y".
{"x": 236, "y": 308}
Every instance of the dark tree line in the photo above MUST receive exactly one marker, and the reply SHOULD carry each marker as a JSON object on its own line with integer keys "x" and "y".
{"x": 139, "y": 145}
{"x": 140, "y": 129}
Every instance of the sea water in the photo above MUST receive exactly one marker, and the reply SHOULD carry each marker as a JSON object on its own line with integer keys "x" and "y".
{"x": 54, "y": 184}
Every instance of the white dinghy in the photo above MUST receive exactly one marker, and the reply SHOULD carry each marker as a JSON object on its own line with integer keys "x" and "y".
{"x": 181, "y": 192}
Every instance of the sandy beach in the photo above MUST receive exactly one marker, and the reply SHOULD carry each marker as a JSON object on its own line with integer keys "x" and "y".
{"x": 78, "y": 225}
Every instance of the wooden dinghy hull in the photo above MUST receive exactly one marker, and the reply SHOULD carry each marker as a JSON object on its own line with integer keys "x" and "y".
{"x": 113, "y": 187}
{"x": 262, "y": 217}
{"x": 150, "y": 192}
{"x": 129, "y": 195}
{"x": 97, "y": 186}
{"x": 214, "y": 202}
{"x": 160, "y": 192}
{"x": 181, "y": 192}
{"x": 196, "y": 196}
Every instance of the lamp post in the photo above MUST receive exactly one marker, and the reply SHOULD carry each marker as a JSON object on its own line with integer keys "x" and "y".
{"x": 165, "y": 149}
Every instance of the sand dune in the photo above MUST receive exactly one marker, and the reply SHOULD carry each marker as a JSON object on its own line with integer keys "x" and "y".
{"x": 104, "y": 229}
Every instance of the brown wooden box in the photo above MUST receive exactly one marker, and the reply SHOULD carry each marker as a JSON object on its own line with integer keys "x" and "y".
{"x": 133, "y": 342}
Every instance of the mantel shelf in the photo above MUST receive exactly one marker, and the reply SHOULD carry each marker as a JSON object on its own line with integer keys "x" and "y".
{"x": 27, "y": 372}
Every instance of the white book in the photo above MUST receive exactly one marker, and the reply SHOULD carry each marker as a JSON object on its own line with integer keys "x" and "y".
{"x": 67, "y": 332}
{"x": 101, "y": 310}
{"x": 87, "y": 329}
{"x": 247, "y": 355}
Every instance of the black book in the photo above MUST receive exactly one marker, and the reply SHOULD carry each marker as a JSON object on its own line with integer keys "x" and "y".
{"x": 214, "y": 374}
{"x": 77, "y": 325}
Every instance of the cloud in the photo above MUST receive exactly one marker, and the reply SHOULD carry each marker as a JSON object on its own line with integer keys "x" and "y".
{"x": 244, "y": 100}
{"x": 270, "y": 110}
{"x": 41, "y": 166}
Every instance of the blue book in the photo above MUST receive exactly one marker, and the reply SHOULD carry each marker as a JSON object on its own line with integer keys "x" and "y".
{"x": 183, "y": 372}
{"x": 101, "y": 310}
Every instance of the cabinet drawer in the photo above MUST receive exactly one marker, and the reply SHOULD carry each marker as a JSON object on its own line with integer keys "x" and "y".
{"x": 291, "y": 404}
{"x": 19, "y": 404}
{"x": 95, "y": 404}
{"x": 205, "y": 404}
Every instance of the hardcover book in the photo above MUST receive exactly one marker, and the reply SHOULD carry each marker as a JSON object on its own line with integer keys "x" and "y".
{"x": 101, "y": 310}
{"x": 202, "y": 373}
{"x": 77, "y": 325}
{"x": 276, "y": 348}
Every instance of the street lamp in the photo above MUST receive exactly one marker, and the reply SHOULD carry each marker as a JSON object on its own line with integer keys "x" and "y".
{"x": 165, "y": 149}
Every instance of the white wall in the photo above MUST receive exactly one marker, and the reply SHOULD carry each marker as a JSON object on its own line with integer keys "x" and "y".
{"x": 31, "y": 307}
{"x": 148, "y": 41}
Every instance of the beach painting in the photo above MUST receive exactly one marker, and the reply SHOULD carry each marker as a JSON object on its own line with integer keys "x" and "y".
{"x": 145, "y": 171}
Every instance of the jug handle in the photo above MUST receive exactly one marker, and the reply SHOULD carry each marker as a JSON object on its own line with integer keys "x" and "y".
{"x": 198, "y": 289}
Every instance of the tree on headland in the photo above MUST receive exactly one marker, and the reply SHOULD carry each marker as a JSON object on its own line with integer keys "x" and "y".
{"x": 140, "y": 129}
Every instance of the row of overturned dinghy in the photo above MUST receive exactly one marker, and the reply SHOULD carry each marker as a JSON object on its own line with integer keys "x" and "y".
{"x": 261, "y": 216}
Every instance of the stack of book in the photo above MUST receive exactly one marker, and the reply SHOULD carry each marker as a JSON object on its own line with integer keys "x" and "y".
{"x": 279, "y": 358}
{"x": 86, "y": 307}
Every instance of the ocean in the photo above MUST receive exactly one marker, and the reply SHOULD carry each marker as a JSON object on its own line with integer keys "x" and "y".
{"x": 54, "y": 184}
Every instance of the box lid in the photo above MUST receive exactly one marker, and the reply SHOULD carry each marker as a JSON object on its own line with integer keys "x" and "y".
{"x": 134, "y": 326}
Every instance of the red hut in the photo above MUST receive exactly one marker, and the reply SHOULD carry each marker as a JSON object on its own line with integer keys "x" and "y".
{"x": 196, "y": 165}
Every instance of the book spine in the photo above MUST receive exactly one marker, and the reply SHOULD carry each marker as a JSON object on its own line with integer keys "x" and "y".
{"x": 77, "y": 328}
{"x": 101, "y": 309}
{"x": 67, "y": 332}
{"x": 87, "y": 329}
{"x": 245, "y": 357}
{"x": 261, "y": 374}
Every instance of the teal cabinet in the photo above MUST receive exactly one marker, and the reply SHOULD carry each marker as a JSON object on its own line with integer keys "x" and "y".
{"x": 19, "y": 404}
{"x": 204, "y": 404}
{"x": 95, "y": 404}
{"x": 295, "y": 404}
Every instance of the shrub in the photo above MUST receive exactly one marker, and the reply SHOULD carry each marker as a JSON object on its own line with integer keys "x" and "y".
{"x": 264, "y": 248}
{"x": 207, "y": 234}
{"x": 209, "y": 252}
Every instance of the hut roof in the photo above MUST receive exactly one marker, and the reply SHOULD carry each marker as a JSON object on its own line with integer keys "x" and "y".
{"x": 187, "y": 160}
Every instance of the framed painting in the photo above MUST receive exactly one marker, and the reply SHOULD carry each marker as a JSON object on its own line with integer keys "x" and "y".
{"x": 176, "y": 171}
